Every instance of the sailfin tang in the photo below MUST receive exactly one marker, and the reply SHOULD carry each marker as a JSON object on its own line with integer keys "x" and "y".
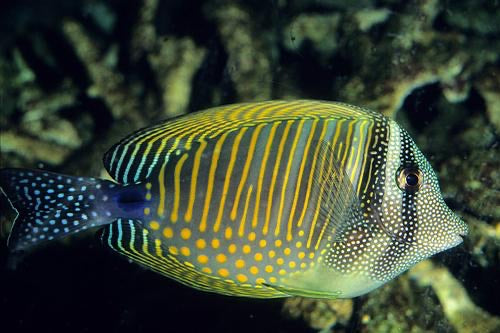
{"x": 51, "y": 205}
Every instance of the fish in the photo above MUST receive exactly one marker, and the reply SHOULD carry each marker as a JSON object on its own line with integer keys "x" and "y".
{"x": 265, "y": 199}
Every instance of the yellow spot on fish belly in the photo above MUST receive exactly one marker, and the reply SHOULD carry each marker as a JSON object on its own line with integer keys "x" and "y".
{"x": 240, "y": 263}
{"x": 298, "y": 244}
{"x": 246, "y": 249}
{"x": 202, "y": 259}
{"x": 223, "y": 272}
{"x": 185, "y": 251}
{"x": 154, "y": 225}
{"x": 147, "y": 211}
{"x": 272, "y": 279}
{"x": 149, "y": 186}
{"x": 287, "y": 251}
{"x": 228, "y": 233}
{"x": 148, "y": 196}
{"x": 303, "y": 265}
{"x": 278, "y": 243}
{"x": 215, "y": 243}
{"x": 262, "y": 243}
{"x": 221, "y": 258}
{"x": 291, "y": 264}
{"x": 254, "y": 270}
{"x": 251, "y": 236}
{"x": 280, "y": 261}
{"x": 301, "y": 255}
{"x": 232, "y": 248}
{"x": 269, "y": 268}
{"x": 173, "y": 250}
{"x": 258, "y": 257}
{"x": 301, "y": 233}
{"x": 168, "y": 232}
{"x": 260, "y": 280}
{"x": 206, "y": 270}
{"x": 200, "y": 243}
{"x": 271, "y": 254}
{"x": 241, "y": 278}
{"x": 185, "y": 233}
{"x": 311, "y": 255}
{"x": 282, "y": 272}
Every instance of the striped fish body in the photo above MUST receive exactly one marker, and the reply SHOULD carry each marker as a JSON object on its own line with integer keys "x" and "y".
{"x": 261, "y": 200}
{"x": 235, "y": 198}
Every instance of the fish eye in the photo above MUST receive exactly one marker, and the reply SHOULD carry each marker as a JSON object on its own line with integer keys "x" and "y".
{"x": 410, "y": 179}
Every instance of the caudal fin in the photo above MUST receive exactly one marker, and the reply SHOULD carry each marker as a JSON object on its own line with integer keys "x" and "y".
{"x": 51, "y": 205}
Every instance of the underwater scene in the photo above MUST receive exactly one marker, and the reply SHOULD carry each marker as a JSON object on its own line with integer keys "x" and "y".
{"x": 250, "y": 166}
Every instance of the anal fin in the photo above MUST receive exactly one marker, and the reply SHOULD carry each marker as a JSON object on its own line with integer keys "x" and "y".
{"x": 130, "y": 239}
{"x": 293, "y": 291}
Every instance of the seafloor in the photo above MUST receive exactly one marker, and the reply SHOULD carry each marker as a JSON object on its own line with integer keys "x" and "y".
{"x": 76, "y": 76}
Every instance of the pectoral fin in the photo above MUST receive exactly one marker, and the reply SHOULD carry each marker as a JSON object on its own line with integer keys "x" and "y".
{"x": 338, "y": 202}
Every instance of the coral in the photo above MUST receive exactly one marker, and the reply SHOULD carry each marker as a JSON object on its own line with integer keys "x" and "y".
{"x": 480, "y": 182}
{"x": 416, "y": 56}
{"x": 462, "y": 313}
{"x": 248, "y": 64}
{"x": 174, "y": 64}
{"x": 483, "y": 242}
{"x": 107, "y": 83}
{"x": 488, "y": 84}
{"x": 484, "y": 19}
{"x": 319, "y": 314}
{"x": 402, "y": 306}
{"x": 320, "y": 30}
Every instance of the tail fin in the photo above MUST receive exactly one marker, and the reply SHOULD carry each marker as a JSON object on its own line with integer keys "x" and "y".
{"x": 51, "y": 205}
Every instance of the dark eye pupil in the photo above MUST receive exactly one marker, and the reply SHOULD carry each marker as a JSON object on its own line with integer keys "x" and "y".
{"x": 411, "y": 179}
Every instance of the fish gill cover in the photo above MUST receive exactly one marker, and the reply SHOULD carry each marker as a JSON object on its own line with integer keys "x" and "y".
{"x": 76, "y": 77}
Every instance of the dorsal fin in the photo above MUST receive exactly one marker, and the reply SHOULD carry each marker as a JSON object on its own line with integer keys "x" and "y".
{"x": 140, "y": 154}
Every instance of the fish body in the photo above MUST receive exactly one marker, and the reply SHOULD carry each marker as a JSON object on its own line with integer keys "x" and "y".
{"x": 270, "y": 199}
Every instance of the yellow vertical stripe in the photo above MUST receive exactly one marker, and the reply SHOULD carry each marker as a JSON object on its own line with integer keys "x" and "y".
{"x": 338, "y": 130}
{"x": 246, "y": 168}
{"x": 241, "y": 229}
{"x": 277, "y": 164}
{"x": 262, "y": 172}
{"x": 369, "y": 175}
{"x": 194, "y": 178}
{"x": 365, "y": 158}
{"x": 299, "y": 179}
{"x": 177, "y": 187}
{"x": 227, "y": 180}
{"x": 211, "y": 178}
{"x": 161, "y": 185}
{"x": 348, "y": 143}
{"x": 318, "y": 202}
{"x": 330, "y": 173}
{"x": 311, "y": 173}
{"x": 286, "y": 176}
{"x": 361, "y": 138}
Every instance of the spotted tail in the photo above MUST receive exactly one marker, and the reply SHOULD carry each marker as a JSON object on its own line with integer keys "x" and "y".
{"x": 51, "y": 205}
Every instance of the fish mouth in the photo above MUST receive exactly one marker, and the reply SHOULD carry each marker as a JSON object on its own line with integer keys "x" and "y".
{"x": 457, "y": 239}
